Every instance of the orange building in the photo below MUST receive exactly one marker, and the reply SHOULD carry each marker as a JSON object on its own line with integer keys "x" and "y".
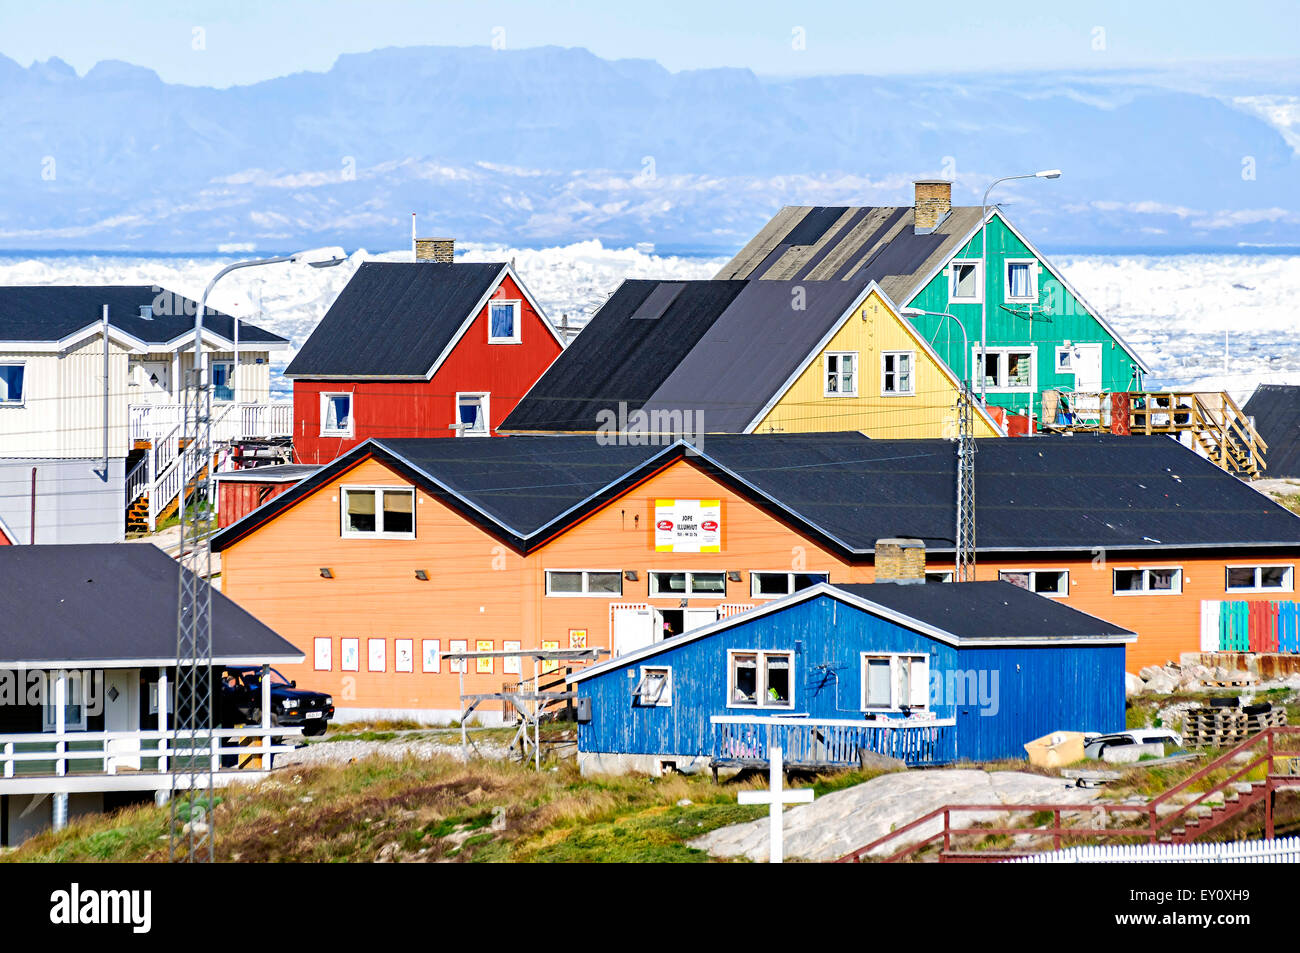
{"x": 402, "y": 550}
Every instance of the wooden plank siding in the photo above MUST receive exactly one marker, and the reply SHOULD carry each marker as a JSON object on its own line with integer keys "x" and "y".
{"x": 930, "y": 411}
{"x": 1060, "y": 317}
{"x": 479, "y": 588}
{"x": 397, "y": 408}
{"x": 1027, "y": 691}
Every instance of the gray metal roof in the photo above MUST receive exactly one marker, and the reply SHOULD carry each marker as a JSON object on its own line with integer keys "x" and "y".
{"x": 861, "y": 243}
{"x": 281, "y": 473}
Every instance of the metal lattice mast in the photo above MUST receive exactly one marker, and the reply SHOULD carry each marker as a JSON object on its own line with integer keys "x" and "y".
{"x": 194, "y": 760}
{"x": 965, "y": 535}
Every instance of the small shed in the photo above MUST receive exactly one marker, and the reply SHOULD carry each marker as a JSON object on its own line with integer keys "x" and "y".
{"x": 926, "y": 673}
{"x": 239, "y": 492}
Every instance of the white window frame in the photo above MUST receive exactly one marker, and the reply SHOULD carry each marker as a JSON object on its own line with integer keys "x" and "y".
{"x": 1002, "y": 354}
{"x": 1056, "y": 368}
{"x": 379, "y": 492}
{"x": 894, "y": 659}
{"x": 952, "y": 281}
{"x": 1288, "y": 585}
{"x": 1033, "y": 578}
{"x": 230, "y": 375}
{"x": 690, "y": 584}
{"x": 1032, "y": 298}
{"x": 351, "y": 429}
{"x": 586, "y": 592}
{"x": 760, "y": 683}
{"x": 50, "y": 708}
{"x": 1146, "y": 589}
{"x": 21, "y": 401}
{"x": 938, "y": 576}
{"x": 485, "y": 402}
{"x": 664, "y": 699}
{"x": 754, "y": 575}
{"x": 839, "y": 373}
{"x": 911, "y": 373}
{"x": 517, "y": 336}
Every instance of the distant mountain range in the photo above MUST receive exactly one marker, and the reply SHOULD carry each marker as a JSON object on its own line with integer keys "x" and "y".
{"x": 547, "y": 146}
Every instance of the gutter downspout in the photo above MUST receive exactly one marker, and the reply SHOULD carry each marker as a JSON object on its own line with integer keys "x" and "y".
{"x": 33, "y": 519}
{"x": 106, "y": 365}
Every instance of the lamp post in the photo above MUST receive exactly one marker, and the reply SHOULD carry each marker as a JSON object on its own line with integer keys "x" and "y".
{"x": 984, "y": 266}
{"x": 192, "y": 832}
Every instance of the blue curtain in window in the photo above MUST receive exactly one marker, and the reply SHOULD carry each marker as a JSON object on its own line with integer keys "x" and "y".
{"x": 11, "y": 382}
{"x": 503, "y": 320}
{"x": 469, "y": 414}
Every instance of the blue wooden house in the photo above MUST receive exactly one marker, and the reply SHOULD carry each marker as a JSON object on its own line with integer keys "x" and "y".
{"x": 929, "y": 674}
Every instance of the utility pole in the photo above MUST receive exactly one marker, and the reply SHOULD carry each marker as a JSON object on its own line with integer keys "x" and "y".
{"x": 965, "y": 554}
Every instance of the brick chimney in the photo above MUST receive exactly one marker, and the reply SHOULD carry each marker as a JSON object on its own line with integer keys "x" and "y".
{"x": 435, "y": 249}
{"x": 900, "y": 560}
{"x": 932, "y": 204}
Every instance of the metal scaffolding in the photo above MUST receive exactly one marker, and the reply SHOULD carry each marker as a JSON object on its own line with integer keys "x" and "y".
{"x": 965, "y": 535}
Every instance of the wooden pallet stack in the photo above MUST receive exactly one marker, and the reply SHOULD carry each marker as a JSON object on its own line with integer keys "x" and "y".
{"x": 1219, "y": 727}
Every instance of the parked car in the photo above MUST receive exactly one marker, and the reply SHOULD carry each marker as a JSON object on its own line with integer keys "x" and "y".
{"x": 1095, "y": 744}
{"x": 291, "y": 706}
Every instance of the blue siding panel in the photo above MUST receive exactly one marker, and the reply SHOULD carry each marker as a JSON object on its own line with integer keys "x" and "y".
{"x": 1038, "y": 689}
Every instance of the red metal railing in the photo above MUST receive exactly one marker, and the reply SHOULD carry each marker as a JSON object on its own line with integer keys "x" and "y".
{"x": 1155, "y": 826}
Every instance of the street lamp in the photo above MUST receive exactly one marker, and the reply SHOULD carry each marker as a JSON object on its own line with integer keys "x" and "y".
{"x": 984, "y": 266}
{"x": 192, "y": 712}
{"x": 965, "y": 341}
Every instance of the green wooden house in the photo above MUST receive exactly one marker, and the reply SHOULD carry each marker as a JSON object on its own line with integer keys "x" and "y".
{"x": 1042, "y": 335}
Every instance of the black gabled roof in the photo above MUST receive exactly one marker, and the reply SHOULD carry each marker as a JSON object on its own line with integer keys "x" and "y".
{"x": 394, "y": 319}
{"x": 45, "y": 313}
{"x": 1276, "y": 409}
{"x": 620, "y": 357}
{"x": 1054, "y": 494}
{"x": 111, "y": 601}
{"x": 986, "y": 610}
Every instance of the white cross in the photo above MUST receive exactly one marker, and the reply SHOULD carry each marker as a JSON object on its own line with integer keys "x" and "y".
{"x": 776, "y": 798}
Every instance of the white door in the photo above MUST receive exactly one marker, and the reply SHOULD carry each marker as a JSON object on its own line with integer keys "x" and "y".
{"x": 154, "y": 380}
{"x": 1085, "y": 361}
{"x": 122, "y": 713}
{"x": 635, "y": 627}
{"x": 694, "y": 618}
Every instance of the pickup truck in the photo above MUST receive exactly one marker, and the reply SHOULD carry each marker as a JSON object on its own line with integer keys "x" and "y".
{"x": 291, "y": 706}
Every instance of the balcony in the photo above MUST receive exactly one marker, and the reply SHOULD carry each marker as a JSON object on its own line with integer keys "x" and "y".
{"x": 230, "y": 422}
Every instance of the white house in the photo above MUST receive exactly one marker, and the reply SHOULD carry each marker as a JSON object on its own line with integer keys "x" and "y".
{"x": 89, "y": 651}
{"x": 92, "y": 382}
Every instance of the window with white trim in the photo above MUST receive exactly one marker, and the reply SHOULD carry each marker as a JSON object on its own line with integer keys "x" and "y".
{"x": 473, "y": 415}
{"x": 707, "y": 584}
{"x": 896, "y": 373}
{"x": 503, "y": 322}
{"x": 939, "y": 576}
{"x": 760, "y": 679}
{"x": 895, "y": 682}
{"x": 74, "y": 706}
{"x": 964, "y": 282}
{"x": 770, "y": 585}
{"x": 223, "y": 375}
{"x": 841, "y": 375}
{"x": 1045, "y": 582}
{"x": 385, "y": 512}
{"x": 1259, "y": 579}
{"x": 11, "y": 383}
{"x": 1021, "y": 283}
{"x": 1008, "y": 368}
{"x": 655, "y": 687}
{"x": 336, "y": 415}
{"x": 1164, "y": 580}
{"x": 584, "y": 582}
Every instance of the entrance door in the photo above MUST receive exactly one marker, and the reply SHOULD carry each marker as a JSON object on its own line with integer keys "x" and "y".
{"x": 1085, "y": 361}
{"x": 635, "y": 627}
{"x": 154, "y": 378}
{"x": 698, "y": 617}
{"x": 122, "y": 713}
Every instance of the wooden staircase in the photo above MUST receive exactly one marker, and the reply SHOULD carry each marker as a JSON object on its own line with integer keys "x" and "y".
{"x": 1274, "y": 752}
{"x": 1212, "y": 421}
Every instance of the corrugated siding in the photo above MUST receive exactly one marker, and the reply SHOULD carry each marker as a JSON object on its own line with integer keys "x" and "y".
{"x": 1040, "y": 689}
{"x": 930, "y": 412}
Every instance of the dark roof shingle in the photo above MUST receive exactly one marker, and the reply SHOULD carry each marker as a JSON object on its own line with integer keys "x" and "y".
{"x": 1276, "y": 409}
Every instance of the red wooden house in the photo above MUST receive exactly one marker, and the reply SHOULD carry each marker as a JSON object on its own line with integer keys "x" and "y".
{"x": 418, "y": 349}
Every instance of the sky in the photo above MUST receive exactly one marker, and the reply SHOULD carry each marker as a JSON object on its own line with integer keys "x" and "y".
{"x": 234, "y": 42}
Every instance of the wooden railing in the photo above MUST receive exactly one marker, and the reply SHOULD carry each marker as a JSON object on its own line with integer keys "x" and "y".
{"x": 1151, "y": 822}
{"x": 820, "y": 742}
{"x": 29, "y": 757}
{"x": 243, "y": 421}
{"x": 1220, "y": 428}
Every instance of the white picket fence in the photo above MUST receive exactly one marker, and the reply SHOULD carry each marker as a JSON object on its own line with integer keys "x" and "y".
{"x": 1284, "y": 850}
